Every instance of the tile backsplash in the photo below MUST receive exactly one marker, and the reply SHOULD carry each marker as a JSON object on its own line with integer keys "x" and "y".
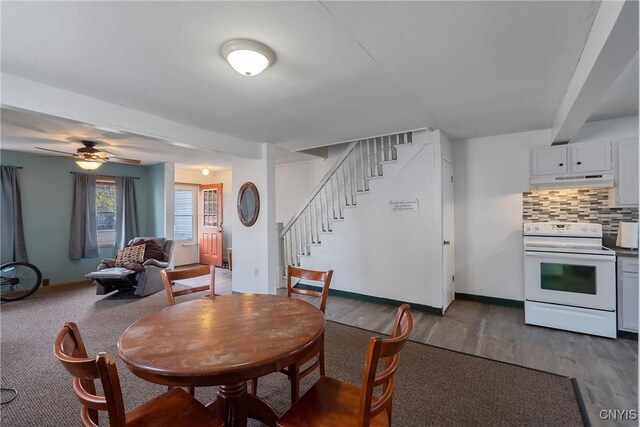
{"x": 576, "y": 205}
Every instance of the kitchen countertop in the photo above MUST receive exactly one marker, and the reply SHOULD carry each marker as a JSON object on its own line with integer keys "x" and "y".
{"x": 611, "y": 244}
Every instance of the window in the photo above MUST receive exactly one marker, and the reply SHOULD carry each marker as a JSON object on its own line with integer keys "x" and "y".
{"x": 106, "y": 212}
{"x": 183, "y": 215}
{"x": 210, "y": 208}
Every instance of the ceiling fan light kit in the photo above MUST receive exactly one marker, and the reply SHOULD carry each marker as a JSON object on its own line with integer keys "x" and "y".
{"x": 90, "y": 158}
{"x": 248, "y": 57}
{"x": 89, "y": 164}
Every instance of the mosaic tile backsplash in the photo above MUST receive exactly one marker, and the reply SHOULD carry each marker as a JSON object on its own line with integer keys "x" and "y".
{"x": 576, "y": 205}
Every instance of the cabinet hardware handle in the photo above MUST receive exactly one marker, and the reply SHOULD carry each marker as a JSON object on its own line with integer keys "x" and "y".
{"x": 447, "y": 243}
{"x": 560, "y": 164}
{"x": 578, "y": 163}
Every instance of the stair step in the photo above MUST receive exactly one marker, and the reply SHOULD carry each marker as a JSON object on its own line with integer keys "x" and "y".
{"x": 389, "y": 162}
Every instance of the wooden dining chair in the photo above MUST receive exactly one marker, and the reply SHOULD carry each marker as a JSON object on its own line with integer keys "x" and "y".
{"x": 169, "y": 277}
{"x": 330, "y": 402}
{"x": 296, "y": 372}
{"x": 173, "y": 408}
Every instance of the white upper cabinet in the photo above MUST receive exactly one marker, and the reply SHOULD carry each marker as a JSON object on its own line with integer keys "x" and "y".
{"x": 625, "y": 193}
{"x": 549, "y": 161}
{"x": 589, "y": 157}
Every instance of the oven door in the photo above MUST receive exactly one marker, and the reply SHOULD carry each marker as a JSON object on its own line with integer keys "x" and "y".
{"x": 578, "y": 280}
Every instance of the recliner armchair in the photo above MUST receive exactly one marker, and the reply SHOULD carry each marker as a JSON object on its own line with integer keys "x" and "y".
{"x": 146, "y": 282}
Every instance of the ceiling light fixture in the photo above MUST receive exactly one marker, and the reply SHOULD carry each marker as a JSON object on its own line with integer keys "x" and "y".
{"x": 89, "y": 165}
{"x": 247, "y": 57}
{"x": 205, "y": 171}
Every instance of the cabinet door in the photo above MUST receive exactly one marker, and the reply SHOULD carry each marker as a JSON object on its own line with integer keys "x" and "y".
{"x": 629, "y": 301}
{"x": 627, "y": 184}
{"x": 590, "y": 158}
{"x": 549, "y": 161}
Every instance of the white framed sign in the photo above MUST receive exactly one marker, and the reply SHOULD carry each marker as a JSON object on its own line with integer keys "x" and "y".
{"x": 404, "y": 205}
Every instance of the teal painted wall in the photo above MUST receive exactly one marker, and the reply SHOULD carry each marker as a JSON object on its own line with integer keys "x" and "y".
{"x": 47, "y": 194}
{"x": 156, "y": 218}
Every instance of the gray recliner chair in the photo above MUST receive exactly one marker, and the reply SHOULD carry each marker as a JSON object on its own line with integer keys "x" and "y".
{"x": 146, "y": 282}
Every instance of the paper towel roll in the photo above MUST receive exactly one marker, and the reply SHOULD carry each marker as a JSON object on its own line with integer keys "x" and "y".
{"x": 627, "y": 235}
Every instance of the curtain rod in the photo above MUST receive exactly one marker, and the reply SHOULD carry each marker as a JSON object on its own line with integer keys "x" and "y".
{"x": 108, "y": 176}
{"x": 17, "y": 167}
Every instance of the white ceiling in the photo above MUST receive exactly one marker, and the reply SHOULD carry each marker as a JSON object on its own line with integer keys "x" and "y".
{"x": 26, "y": 130}
{"x": 622, "y": 99}
{"x": 344, "y": 69}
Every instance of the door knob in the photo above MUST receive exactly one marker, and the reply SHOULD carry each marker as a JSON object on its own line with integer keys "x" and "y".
{"x": 447, "y": 243}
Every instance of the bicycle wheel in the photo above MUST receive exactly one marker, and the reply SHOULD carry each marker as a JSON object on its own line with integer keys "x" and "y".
{"x": 18, "y": 280}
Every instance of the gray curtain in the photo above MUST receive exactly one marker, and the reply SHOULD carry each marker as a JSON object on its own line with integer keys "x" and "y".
{"x": 13, "y": 246}
{"x": 126, "y": 217}
{"x": 83, "y": 241}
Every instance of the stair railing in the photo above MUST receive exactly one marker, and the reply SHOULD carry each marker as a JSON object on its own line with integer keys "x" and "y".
{"x": 361, "y": 161}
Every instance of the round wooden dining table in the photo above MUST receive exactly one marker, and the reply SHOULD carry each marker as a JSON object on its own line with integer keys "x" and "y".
{"x": 223, "y": 342}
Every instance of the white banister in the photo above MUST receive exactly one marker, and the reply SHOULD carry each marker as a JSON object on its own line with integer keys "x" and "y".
{"x": 361, "y": 161}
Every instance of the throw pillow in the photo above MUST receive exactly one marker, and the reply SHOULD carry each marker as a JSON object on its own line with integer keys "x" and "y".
{"x": 130, "y": 254}
{"x": 153, "y": 251}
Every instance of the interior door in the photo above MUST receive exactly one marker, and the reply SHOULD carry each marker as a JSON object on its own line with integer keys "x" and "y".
{"x": 185, "y": 224}
{"x": 448, "y": 286}
{"x": 210, "y": 224}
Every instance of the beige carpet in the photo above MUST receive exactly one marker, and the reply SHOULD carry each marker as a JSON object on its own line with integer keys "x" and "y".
{"x": 434, "y": 386}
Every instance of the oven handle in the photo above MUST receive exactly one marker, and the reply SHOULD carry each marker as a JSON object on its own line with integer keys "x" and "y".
{"x": 565, "y": 255}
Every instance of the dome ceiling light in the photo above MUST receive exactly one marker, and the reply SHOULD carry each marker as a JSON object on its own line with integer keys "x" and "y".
{"x": 247, "y": 57}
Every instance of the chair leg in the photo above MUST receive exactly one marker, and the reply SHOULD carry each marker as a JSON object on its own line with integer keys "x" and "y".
{"x": 254, "y": 386}
{"x": 294, "y": 373}
{"x": 321, "y": 357}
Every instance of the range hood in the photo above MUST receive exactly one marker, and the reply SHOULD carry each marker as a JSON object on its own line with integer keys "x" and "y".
{"x": 557, "y": 182}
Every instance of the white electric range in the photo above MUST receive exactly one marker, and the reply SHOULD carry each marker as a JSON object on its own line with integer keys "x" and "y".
{"x": 569, "y": 278}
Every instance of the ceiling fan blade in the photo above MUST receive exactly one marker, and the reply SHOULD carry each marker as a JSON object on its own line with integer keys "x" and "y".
{"x": 123, "y": 160}
{"x": 55, "y": 151}
{"x": 102, "y": 150}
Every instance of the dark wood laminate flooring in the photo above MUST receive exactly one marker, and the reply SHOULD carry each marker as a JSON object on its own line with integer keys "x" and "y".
{"x": 606, "y": 369}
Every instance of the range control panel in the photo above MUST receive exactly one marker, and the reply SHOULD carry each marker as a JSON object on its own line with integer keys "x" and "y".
{"x": 568, "y": 229}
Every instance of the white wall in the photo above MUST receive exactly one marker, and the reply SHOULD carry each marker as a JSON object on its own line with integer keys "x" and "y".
{"x": 395, "y": 255}
{"x": 190, "y": 176}
{"x": 608, "y": 130}
{"x": 294, "y": 184}
{"x": 490, "y": 175}
{"x": 296, "y": 181}
{"x": 255, "y": 248}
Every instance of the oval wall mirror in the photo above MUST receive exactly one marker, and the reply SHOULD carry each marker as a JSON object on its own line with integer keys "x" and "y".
{"x": 248, "y": 204}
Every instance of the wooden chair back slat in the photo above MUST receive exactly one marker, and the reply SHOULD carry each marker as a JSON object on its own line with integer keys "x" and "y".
{"x": 388, "y": 349}
{"x": 168, "y": 277}
{"x": 316, "y": 276}
{"x": 69, "y": 348}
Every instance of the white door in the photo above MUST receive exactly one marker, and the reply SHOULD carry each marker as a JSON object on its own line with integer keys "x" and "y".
{"x": 185, "y": 224}
{"x": 628, "y": 174}
{"x": 549, "y": 161}
{"x": 448, "y": 285}
{"x": 590, "y": 157}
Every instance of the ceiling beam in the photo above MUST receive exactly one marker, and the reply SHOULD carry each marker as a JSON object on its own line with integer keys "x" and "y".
{"x": 29, "y": 95}
{"x": 611, "y": 44}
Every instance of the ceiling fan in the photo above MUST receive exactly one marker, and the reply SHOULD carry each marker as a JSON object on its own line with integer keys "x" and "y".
{"x": 89, "y": 157}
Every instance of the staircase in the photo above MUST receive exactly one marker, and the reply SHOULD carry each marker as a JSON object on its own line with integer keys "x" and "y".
{"x": 361, "y": 162}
